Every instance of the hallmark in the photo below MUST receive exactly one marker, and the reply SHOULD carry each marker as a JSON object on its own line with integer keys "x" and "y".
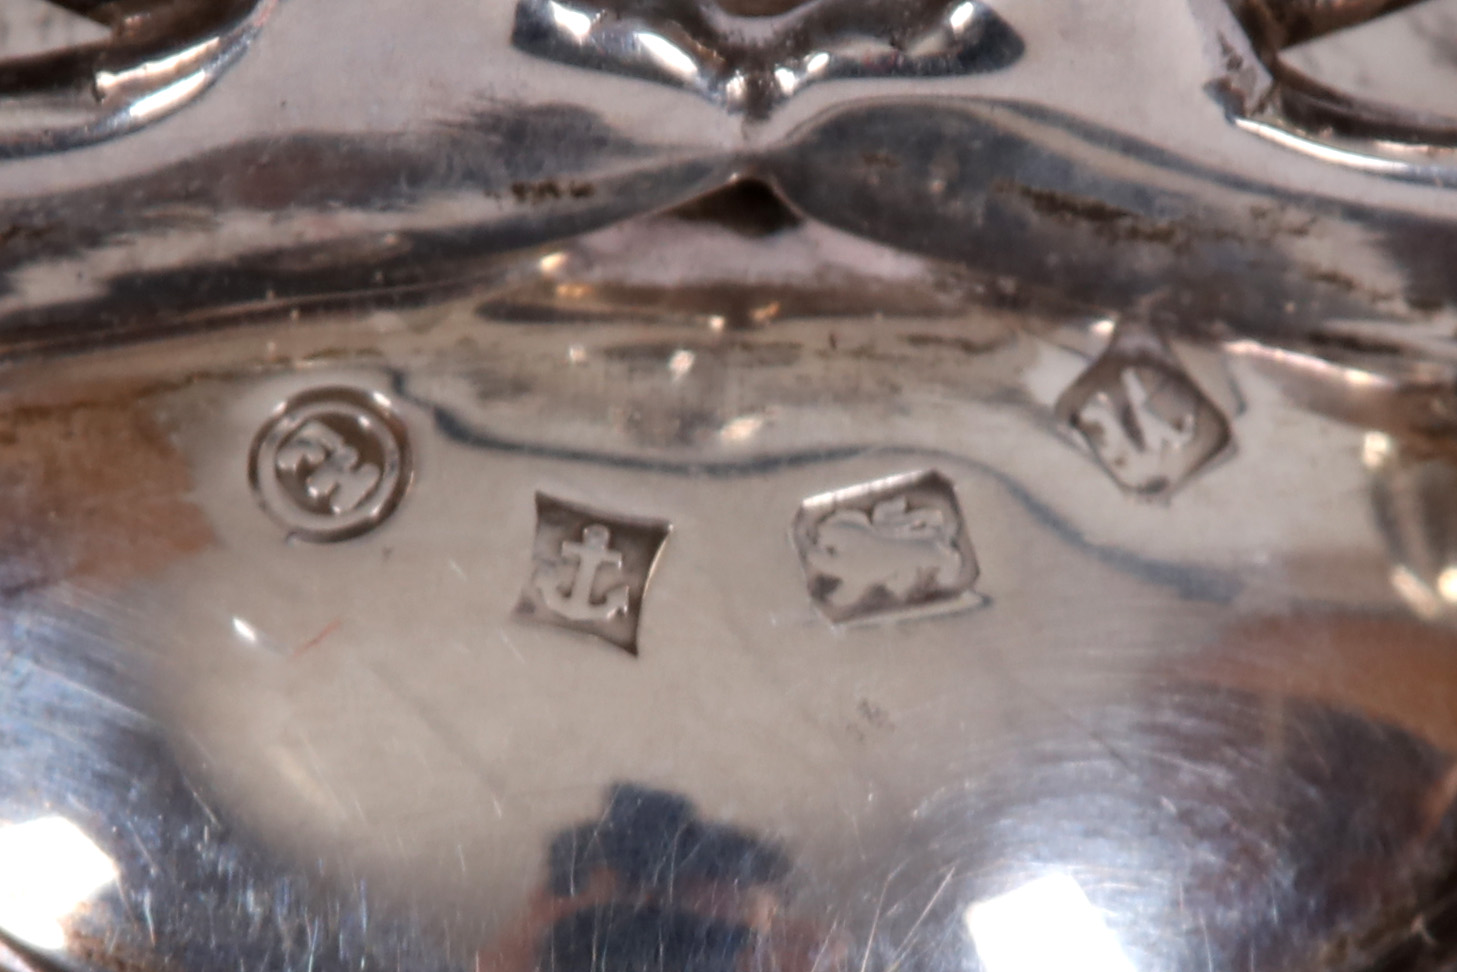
{"x": 1142, "y": 416}
{"x": 886, "y": 548}
{"x": 331, "y": 463}
{"x": 591, "y": 570}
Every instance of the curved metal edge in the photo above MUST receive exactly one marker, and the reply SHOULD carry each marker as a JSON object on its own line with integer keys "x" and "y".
{"x": 1437, "y": 168}
{"x": 13, "y": 960}
{"x": 1265, "y": 97}
{"x": 141, "y": 93}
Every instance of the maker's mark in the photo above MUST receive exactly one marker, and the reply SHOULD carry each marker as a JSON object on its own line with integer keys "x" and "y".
{"x": 331, "y": 463}
{"x": 886, "y": 548}
{"x": 591, "y": 570}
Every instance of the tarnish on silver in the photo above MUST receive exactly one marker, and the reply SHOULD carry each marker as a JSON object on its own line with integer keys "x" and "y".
{"x": 749, "y": 68}
{"x": 891, "y": 548}
{"x": 923, "y": 682}
{"x": 331, "y": 463}
{"x": 591, "y": 570}
{"x": 61, "y": 100}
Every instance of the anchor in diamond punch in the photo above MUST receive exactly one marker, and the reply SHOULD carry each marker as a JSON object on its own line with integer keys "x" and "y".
{"x": 576, "y": 601}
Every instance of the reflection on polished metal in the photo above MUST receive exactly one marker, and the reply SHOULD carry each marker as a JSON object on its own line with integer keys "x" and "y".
{"x": 1414, "y": 494}
{"x": 1013, "y": 932}
{"x": 650, "y": 885}
{"x": 888, "y": 547}
{"x": 331, "y": 463}
{"x": 725, "y": 59}
{"x": 63, "y": 868}
{"x": 1268, "y": 97}
{"x": 902, "y": 344}
{"x": 163, "y": 54}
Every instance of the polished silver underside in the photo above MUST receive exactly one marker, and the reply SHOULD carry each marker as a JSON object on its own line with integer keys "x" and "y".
{"x": 652, "y": 486}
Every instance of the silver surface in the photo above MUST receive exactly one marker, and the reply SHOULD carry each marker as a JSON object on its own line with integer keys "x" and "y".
{"x": 957, "y": 517}
{"x": 160, "y": 57}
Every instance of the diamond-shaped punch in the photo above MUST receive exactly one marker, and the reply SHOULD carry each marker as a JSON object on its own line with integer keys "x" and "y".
{"x": 591, "y": 570}
{"x": 1144, "y": 419}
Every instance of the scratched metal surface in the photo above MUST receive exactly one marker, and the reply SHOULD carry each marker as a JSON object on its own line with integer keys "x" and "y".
{"x": 658, "y": 487}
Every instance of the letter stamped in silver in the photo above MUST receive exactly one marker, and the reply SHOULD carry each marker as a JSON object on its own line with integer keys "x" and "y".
{"x": 591, "y": 570}
{"x": 888, "y": 548}
{"x": 1143, "y": 417}
{"x": 331, "y": 463}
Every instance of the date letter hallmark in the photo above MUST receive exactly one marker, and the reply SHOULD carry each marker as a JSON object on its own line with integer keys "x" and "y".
{"x": 1142, "y": 416}
{"x": 591, "y": 570}
{"x": 888, "y": 548}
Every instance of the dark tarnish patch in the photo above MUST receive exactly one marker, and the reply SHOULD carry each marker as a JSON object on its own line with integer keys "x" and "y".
{"x": 875, "y": 159}
{"x": 739, "y": 353}
{"x": 750, "y": 208}
{"x": 550, "y": 190}
{"x": 25, "y": 233}
{"x": 106, "y": 470}
{"x": 966, "y": 345}
{"x": 1349, "y": 285}
{"x": 1108, "y": 220}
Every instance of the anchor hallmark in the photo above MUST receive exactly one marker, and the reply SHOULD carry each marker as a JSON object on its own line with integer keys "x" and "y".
{"x": 591, "y": 570}
{"x": 577, "y": 603}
